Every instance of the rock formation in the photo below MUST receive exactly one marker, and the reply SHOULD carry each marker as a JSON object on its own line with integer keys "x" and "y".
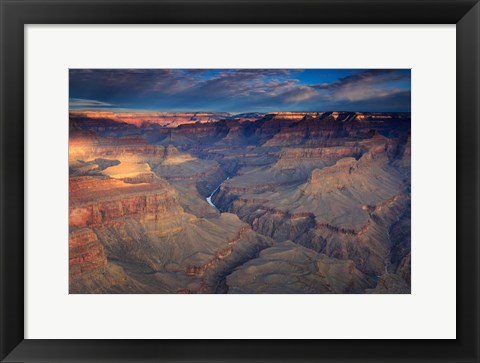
{"x": 302, "y": 202}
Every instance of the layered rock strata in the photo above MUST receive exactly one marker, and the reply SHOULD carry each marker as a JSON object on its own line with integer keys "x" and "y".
{"x": 303, "y": 202}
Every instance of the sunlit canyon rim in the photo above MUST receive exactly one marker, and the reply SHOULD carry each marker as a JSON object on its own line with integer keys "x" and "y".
{"x": 274, "y": 201}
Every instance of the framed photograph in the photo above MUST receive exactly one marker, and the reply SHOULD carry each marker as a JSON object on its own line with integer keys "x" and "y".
{"x": 240, "y": 181}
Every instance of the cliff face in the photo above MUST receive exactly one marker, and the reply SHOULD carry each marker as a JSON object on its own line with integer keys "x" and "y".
{"x": 95, "y": 201}
{"x": 86, "y": 252}
{"x": 166, "y": 119}
{"x": 85, "y": 148}
{"x": 303, "y": 202}
{"x": 311, "y": 129}
{"x": 90, "y": 271}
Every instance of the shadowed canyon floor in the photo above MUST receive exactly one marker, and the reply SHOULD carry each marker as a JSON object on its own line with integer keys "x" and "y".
{"x": 286, "y": 202}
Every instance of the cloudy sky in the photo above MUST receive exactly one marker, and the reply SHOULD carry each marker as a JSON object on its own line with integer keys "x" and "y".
{"x": 240, "y": 90}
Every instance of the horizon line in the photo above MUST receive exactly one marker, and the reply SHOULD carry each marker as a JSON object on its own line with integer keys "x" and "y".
{"x": 227, "y": 112}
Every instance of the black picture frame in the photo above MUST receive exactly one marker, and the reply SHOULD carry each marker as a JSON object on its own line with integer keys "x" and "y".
{"x": 15, "y": 14}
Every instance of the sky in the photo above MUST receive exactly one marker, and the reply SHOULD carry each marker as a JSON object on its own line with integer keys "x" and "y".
{"x": 240, "y": 90}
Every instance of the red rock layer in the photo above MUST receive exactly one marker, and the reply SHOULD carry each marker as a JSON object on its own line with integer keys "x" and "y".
{"x": 95, "y": 201}
{"x": 86, "y": 253}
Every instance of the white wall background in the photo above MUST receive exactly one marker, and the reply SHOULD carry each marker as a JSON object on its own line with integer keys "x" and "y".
{"x": 429, "y": 312}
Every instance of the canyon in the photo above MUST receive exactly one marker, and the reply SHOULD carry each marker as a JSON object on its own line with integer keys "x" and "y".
{"x": 202, "y": 202}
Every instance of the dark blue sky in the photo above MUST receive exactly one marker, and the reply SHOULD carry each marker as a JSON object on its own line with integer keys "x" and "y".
{"x": 240, "y": 90}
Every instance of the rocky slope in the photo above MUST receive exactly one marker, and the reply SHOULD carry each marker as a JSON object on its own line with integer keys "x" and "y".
{"x": 292, "y": 269}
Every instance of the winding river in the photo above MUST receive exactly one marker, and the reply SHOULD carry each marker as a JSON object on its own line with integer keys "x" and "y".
{"x": 209, "y": 198}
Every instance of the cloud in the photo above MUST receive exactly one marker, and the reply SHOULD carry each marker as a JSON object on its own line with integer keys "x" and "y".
{"x": 233, "y": 89}
{"x": 397, "y": 101}
{"x": 365, "y": 85}
{"x": 83, "y": 103}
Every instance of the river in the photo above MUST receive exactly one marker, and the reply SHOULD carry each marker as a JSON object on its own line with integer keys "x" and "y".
{"x": 209, "y": 198}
